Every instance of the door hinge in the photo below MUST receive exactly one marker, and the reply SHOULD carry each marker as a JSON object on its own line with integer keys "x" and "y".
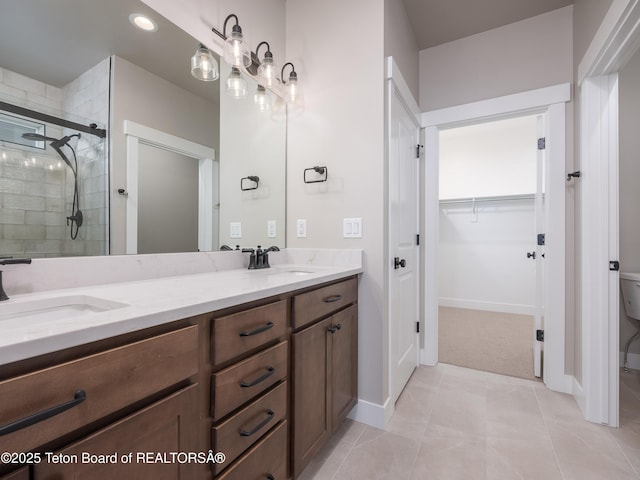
{"x": 541, "y": 239}
{"x": 542, "y": 143}
{"x": 418, "y": 239}
{"x": 540, "y": 335}
{"x": 417, "y": 327}
{"x": 614, "y": 265}
{"x": 418, "y": 147}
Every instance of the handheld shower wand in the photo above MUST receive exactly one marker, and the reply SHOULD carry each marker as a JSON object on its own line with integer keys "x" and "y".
{"x": 57, "y": 143}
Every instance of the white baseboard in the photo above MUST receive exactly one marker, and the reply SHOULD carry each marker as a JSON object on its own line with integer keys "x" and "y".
{"x": 426, "y": 359}
{"x": 632, "y": 358}
{"x": 372, "y": 414}
{"x": 487, "y": 306}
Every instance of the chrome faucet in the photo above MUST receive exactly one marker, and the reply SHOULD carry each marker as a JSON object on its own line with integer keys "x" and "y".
{"x": 9, "y": 261}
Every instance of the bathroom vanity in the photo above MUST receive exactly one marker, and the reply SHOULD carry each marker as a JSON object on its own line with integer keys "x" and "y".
{"x": 263, "y": 376}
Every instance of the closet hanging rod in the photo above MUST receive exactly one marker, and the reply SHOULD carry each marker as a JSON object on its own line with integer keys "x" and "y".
{"x": 499, "y": 198}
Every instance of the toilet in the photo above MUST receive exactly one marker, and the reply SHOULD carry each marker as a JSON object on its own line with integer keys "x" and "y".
{"x": 630, "y": 285}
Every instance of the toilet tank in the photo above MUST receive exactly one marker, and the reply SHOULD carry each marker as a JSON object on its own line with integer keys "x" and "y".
{"x": 630, "y": 284}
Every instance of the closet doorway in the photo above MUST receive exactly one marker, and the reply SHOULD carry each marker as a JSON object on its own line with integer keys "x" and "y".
{"x": 550, "y": 102}
{"x": 491, "y": 199}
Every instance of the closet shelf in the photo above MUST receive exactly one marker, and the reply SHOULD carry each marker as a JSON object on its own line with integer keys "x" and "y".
{"x": 499, "y": 198}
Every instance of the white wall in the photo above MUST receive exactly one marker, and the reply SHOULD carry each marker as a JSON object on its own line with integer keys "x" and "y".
{"x": 526, "y": 55}
{"x": 401, "y": 44}
{"x": 629, "y": 112}
{"x": 343, "y": 128}
{"x": 483, "y": 263}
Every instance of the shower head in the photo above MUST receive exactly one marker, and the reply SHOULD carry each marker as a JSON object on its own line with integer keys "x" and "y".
{"x": 36, "y": 137}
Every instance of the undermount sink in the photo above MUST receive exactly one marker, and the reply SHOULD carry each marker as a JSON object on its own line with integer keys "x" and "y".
{"x": 57, "y": 308}
{"x": 288, "y": 271}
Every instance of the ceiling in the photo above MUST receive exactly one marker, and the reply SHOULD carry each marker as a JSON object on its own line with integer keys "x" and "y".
{"x": 435, "y": 22}
{"x": 56, "y": 41}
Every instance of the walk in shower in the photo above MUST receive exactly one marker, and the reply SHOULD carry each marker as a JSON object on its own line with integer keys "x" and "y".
{"x": 53, "y": 181}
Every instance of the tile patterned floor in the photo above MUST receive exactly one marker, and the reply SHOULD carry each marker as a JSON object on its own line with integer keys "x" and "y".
{"x": 455, "y": 423}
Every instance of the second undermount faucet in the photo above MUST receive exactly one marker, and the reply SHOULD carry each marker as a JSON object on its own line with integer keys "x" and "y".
{"x": 259, "y": 258}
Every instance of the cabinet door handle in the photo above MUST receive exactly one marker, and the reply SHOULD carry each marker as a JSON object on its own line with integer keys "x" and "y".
{"x": 270, "y": 477}
{"x": 79, "y": 397}
{"x": 332, "y": 298}
{"x": 244, "y": 433}
{"x": 270, "y": 371}
{"x": 334, "y": 328}
{"x": 258, "y": 330}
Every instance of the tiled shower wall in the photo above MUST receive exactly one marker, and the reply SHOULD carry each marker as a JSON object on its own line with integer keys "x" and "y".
{"x": 36, "y": 187}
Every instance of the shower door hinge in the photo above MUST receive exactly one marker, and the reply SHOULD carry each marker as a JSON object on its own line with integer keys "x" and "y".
{"x": 417, "y": 327}
{"x": 542, "y": 143}
{"x": 540, "y": 335}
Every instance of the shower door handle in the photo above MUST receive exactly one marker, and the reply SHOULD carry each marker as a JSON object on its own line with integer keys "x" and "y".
{"x": 531, "y": 255}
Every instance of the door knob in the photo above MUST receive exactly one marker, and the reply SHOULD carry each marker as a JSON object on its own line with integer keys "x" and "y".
{"x": 397, "y": 263}
{"x": 531, "y": 255}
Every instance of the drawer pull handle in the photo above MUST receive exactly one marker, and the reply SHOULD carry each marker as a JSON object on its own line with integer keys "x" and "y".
{"x": 335, "y": 328}
{"x": 332, "y": 298}
{"x": 258, "y": 330}
{"x": 79, "y": 397}
{"x": 270, "y": 414}
{"x": 270, "y": 371}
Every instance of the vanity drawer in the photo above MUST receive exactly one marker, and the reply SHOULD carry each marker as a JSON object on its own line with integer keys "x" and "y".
{"x": 110, "y": 380}
{"x": 267, "y": 459}
{"x": 244, "y": 380}
{"x": 242, "y": 332}
{"x": 310, "y": 306}
{"x": 242, "y": 430}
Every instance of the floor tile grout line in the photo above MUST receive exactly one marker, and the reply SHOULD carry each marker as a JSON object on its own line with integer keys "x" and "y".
{"x": 633, "y": 469}
{"x": 546, "y": 426}
{"x": 345, "y": 457}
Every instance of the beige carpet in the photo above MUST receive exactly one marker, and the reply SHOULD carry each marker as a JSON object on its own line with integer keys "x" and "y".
{"x": 489, "y": 341}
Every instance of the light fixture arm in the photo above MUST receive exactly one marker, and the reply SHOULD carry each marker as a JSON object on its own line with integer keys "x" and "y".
{"x": 292, "y": 74}
{"x": 268, "y": 48}
{"x": 223, "y": 35}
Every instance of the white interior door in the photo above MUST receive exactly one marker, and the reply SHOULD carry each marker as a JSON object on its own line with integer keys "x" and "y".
{"x": 403, "y": 242}
{"x": 538, "y": 319}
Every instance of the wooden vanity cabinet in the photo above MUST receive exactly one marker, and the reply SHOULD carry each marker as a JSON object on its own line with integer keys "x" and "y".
{"x": 324, "y": 367}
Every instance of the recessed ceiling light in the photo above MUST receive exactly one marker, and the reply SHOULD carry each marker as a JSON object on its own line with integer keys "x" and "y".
{"x": 143, "y": 22}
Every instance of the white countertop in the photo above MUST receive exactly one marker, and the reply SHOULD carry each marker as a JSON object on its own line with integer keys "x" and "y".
{"x": 148, "y": 303}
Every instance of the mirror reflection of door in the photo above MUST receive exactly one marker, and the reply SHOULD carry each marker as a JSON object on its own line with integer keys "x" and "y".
{"x": 167, "y": 201}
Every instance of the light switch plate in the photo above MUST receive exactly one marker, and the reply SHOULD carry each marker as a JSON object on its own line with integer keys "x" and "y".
{"x": 301, "y": 228}
{"x": 271, "y": 229}
{"x": 352, "y": 227}
{"x": 235, "y": 230}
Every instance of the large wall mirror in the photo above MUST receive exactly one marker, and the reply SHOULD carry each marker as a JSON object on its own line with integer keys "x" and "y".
{"x": 146, "y": 158}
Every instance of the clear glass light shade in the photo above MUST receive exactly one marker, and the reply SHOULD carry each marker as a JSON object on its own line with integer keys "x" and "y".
{"x": 293, "y": 96}
{"x": 268, "y": 72}
{"x": 236, "y": 86}
{"x": 262, "y": 99}
{"x": 236, "y": 50}
{"x": 204, "y": 66}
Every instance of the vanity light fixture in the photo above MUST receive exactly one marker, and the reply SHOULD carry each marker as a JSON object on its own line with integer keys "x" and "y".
{"x": 236, "y": 51}
{"x": 261, "y": 99}
{"x": 268, "y": 70}
{"x": 236, "y": 86}
{"x": 143, "y": 22}
{"x": 204, "y": 66}
{"x": 292, "y": 91}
